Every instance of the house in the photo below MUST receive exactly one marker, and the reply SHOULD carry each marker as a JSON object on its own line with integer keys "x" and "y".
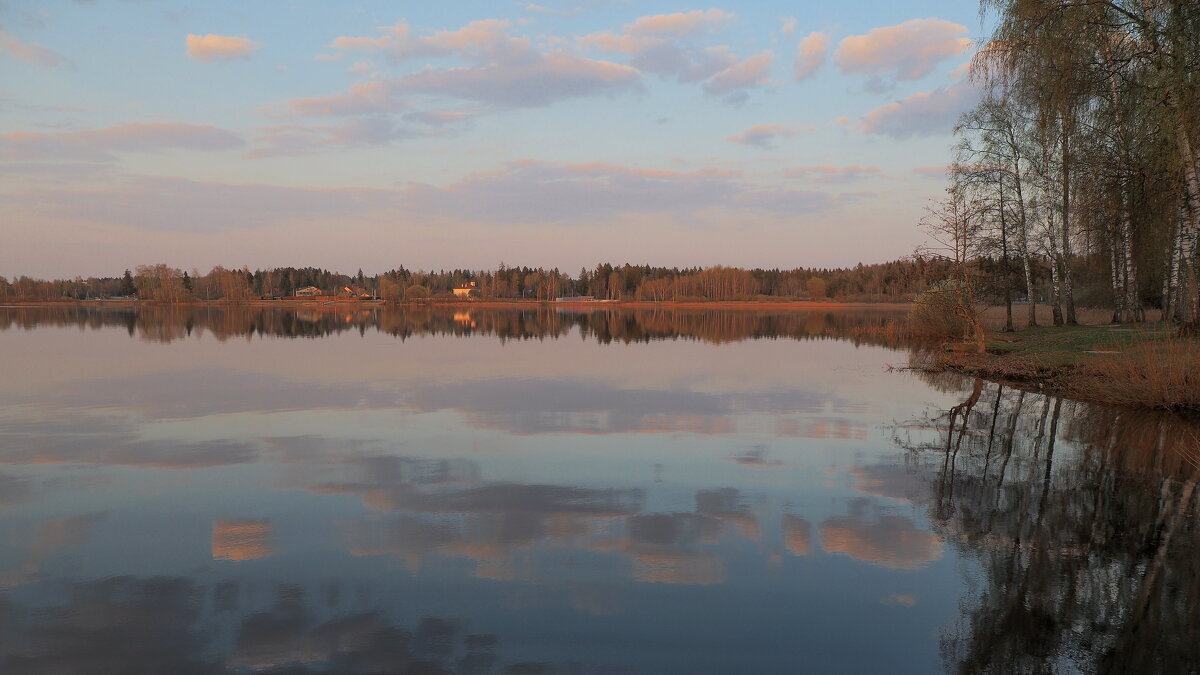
{"x": 355, "y": 292}
{"x": 308, "y": 292}
{"x": 464, "y": 290}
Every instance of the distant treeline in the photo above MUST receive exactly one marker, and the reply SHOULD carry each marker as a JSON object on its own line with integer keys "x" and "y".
{"x": 891, "y": 281}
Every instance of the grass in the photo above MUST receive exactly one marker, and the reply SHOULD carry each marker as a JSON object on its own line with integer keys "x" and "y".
{"x": 1146, "y": 365}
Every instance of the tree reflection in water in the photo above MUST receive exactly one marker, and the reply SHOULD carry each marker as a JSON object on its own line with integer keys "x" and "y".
{"x": 166, "y": 323}
{"x": 1084, "y": 522}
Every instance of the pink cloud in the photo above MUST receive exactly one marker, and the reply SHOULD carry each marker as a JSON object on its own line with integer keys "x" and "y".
{"x": 938, "y": 172}
{"x": 749, "y": 72}
{"x": 538, "y": 81}
{"x": 663, "y": 56}
{"x": 922, "y": 114}
{"x": 439, "y": 117}
{"x": 209, "y": 48}
{"x": 542, "y": 9}
{"x": 655, "y": 45}
{"x": 762, "y": 135}
{"x": 810, "y": 55}
{"x": 503, "y": 70}
{"x": 362, "y": 98}
{"x": 680, "y": 24}
{"x": 485, "y": 38}
{"x": 178, "y": 204}
{"x": 371, "y": 130}
{"x": 297, "y": 139}
{"x": 29, "y": 51}
{"x": 531, "y": 191}
{"x": 97, "y": 144}
{"x": 908, "y": 51}
{"x": 523, "y": 192}
{"x": 833, "y": 174}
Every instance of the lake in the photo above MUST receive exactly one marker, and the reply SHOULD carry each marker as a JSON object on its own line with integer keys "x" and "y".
{"x": 456, "y": 490}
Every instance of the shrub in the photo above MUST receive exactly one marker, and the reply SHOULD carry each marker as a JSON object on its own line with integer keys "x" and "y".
{"x": 416, "y": 292}
{"x": 936, "y": 311}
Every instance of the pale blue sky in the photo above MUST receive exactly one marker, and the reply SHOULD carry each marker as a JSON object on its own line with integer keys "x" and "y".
{"x": 463, "y": 134}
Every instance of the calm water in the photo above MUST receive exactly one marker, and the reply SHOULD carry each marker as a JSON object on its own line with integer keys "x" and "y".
{"x": 195, "y": 491}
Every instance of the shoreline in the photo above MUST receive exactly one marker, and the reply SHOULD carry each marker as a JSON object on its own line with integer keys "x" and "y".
{"x": 1147, "y": 366}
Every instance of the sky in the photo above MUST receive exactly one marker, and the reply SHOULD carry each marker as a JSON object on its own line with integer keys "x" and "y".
{"x": 440, "y": 135}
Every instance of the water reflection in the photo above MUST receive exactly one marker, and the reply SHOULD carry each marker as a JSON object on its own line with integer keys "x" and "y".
{"x": 171, "y": 323}
{"x": 166, "y": 625}
{"x": 626, "y": 502}
{"x": 1084, "y": 522}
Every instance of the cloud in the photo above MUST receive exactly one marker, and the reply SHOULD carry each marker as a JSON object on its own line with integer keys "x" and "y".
{"x": 938, "y": 172}
{"x": 362, "y": 98}
{"x": 526, "y": 193}
{"x": 181, "y": 205}
{"x": 810, "y": 55}
{"x": 29, "y": 51}
{"x": 538, "y": 81}
{"x": 503, "y": 70}
{"x": 749, "y": 72}
{"x": 299, "y": 139}
{"x": 762, "y": 135}
{"x": 833, "y": 174}
{"x": 209, "y": 48}
{"x": 665, "y": 57}
{"x": 98, "y": 144}
{"x": 789, "y": 26}
{"x": 482, "y": 39}
{"x": 531, "y": 191}
{"x": 907, "y": 51}
{"x": 541, "y": 9}
{"x": 654, "y": 45}
{"x": 439, "y": 118}
{"x": 680, "y": 24}
{"x": 923, "y": 114}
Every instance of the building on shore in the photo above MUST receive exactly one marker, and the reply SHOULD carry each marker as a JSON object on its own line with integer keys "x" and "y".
{"x": 465, "y": 290}
{"x": 308, "y": 292}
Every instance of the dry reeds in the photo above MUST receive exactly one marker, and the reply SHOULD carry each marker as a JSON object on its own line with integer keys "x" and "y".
{"x": 1159, "y": 374}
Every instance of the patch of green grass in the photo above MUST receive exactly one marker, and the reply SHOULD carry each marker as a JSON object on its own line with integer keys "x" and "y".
{"x": 1068, "y": 345}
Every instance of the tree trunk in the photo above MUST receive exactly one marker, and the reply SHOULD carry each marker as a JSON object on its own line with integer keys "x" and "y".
{"x": 1008, "y": 319}
{"x": 1068, "y": 286}
{"x": 1055, "y": 280}
{"x": 1132, "y": 303}
{"x": 1023, "y": 243}
{"x": 1115, "y": 271}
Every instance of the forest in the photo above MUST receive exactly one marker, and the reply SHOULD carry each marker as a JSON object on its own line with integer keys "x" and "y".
{"x": 891, "y": 281}
{"x": 1081, "y": 160}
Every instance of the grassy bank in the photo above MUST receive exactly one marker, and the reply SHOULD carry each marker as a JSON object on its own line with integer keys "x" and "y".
{"x": 1146, "y": 365}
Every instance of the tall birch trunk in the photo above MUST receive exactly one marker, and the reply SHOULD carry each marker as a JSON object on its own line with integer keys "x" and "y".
{"x": 1115, "y": 267}
{"x": 1068, "y": 286}
{"x": 1055, "y": 279}
{"x": 1132, "y": 305}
